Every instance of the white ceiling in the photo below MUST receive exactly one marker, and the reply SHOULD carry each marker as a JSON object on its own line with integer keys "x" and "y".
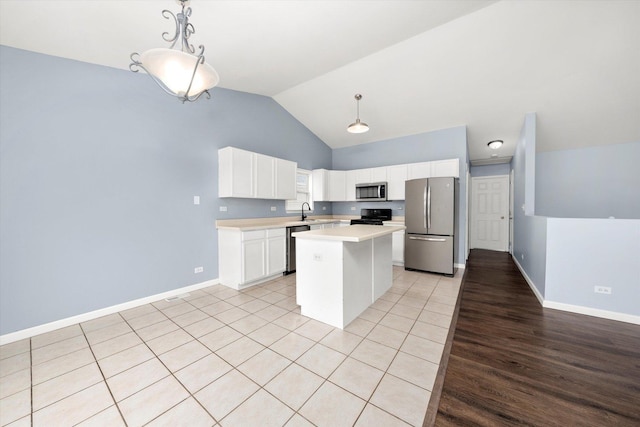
{"x": 420, "y": 65}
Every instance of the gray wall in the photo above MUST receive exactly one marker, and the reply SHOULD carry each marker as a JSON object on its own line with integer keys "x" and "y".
{"x": 596, "y": 182}
{"x": 530, "y": 232}
{"x": 437, "y": 145}
{"x": 490, "y": 170}
{"x": 98, "y": 169}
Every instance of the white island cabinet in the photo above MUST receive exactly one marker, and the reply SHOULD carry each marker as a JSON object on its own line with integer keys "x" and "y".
{"x": 342, "y": 271}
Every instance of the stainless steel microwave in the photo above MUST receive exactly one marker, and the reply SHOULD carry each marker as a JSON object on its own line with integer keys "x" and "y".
{"x": 373, "y": 192}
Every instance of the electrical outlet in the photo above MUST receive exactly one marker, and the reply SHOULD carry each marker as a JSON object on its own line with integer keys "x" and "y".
{"x": 273, "y": 208}
{"x": 198, "y": 270}
{"x": 196, "y": 200}
{"x": 223, "y": 208}
{"x": 602, "y": 290}
{"x": 522, "y": 257}
{"x": 324, "y": 208}
{"x": 353, "y": 208}
{"x": 317, "y": 257}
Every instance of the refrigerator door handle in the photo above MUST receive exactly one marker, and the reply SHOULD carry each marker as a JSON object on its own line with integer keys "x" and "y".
{"x": 424, "y": 207}
{"x": 427, "y": 239}
{"x": 428, "y": 206}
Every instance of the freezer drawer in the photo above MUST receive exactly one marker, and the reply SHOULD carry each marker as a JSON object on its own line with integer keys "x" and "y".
{"x": 429, "y": 253}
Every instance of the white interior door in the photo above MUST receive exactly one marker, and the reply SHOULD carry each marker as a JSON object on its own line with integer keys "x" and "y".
{"x": 490, "y": 213}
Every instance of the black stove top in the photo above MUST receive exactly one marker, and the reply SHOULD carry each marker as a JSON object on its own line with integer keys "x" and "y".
{"x": 373, "y": 216}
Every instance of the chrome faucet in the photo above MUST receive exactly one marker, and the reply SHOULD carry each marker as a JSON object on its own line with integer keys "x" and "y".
{"x": 302, "y": 210}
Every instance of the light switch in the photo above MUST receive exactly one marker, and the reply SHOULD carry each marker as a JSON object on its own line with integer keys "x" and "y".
{"x": 196, "y": 200}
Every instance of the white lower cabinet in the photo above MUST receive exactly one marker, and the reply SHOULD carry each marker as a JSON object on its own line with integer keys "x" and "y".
{"x": 397, "y": 248}
{"x": 246, "y": 258}
{"x": 254, "y": 254}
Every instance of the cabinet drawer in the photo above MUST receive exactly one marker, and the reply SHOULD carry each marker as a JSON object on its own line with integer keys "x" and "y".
{"x": 253, "y": 235}
{"x": 276, "y": 232}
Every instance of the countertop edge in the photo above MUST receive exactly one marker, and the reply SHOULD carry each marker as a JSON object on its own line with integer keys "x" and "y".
{"x": 335, "y": 235}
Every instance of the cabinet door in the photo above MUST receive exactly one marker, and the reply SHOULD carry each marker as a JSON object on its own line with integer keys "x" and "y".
{"x": 235, "y": 173}
{"x": 396, "y": 176}
{"x": 442, "y": 168}
{"x": 419, "y": 170}
{"x": 276, "y": 254}
{"x": 379, "y": 174}
{"x": 363, "y": 176}
{"x": 253, "y": 260}
{"x": 337, "y": 186}
{"x": 397, "y": 247}
{"x": 285, "y": 179}
{"x": 320, "y": 179}
{"x": 265, "y": 176}
{"x": 350, "y": 190}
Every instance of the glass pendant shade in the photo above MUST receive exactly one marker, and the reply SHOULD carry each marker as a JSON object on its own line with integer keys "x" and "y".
{"x": 173, "y": 69}
{"x": 358, "y": 127}
{"x": 180, "y": 72}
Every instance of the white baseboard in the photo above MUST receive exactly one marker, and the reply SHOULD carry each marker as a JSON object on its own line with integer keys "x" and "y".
{"x": 595, "y": 312}
{"x": 529, "y": 281}
{"x": 460, "y": 266}
{"x": 62, "y": 323}
{"x": 579, "y": 309}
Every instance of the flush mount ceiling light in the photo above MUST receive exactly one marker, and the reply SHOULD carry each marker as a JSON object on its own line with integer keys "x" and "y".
{"x": 180, "y": 72}
{"x": 495, "y": 144}
{"x": 358, "y": 126}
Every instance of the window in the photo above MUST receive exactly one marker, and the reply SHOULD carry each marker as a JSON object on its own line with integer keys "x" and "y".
{"x": 303, "y": 192}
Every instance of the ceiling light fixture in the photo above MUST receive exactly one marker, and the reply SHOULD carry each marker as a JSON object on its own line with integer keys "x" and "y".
{"x": 358, "y": 126}
{"x": 495, "y": 144}
{"x": 180, "y": 73}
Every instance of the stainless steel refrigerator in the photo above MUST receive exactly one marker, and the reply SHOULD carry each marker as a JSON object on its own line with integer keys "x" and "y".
{"x": 430, "y": 207}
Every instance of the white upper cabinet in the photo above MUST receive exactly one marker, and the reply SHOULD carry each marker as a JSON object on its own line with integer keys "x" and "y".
{"x": 246, "y": 174}
{"x": 330, "y": 186}
{"x": 265, "y": 168}
{"x": 235, "y": 173}
{"x": 419, "y": 170}
{"x": 337, "y": 186}
{"x": 285, "y": 179}
{"x": 396, "y": 176}
{"x": 363, "y": 176}
{"x": 379, "y": 174}
{"x": 350, "y": 179}
{"x": 448, "y": 167}
{"x": 320, "y": 178}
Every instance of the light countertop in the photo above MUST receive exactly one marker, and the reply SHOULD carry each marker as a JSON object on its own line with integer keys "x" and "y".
{"x": 353, "y": 233}
{"x": 267, "y": 223}
{"x": 250, "y": 224}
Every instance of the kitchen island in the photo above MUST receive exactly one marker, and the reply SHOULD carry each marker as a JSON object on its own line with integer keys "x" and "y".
{"x": 342, "y": 271}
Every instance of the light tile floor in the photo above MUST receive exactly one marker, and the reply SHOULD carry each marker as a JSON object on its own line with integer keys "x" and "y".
{"x": 236, "y": 358}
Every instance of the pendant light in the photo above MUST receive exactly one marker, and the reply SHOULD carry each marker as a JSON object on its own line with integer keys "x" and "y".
{"x": 180, "y": 72}
{"x": 358, "y": 126}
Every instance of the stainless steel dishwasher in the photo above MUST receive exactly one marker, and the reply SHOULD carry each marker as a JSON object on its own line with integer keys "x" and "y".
{"x": 291, "y": 246}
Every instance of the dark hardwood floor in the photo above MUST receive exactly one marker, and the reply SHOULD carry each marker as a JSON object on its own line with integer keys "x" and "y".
{"x": 513, "y": 362}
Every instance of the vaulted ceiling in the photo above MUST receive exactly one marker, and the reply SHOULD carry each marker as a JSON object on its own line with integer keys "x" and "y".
{"x": 420, "y": 65}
